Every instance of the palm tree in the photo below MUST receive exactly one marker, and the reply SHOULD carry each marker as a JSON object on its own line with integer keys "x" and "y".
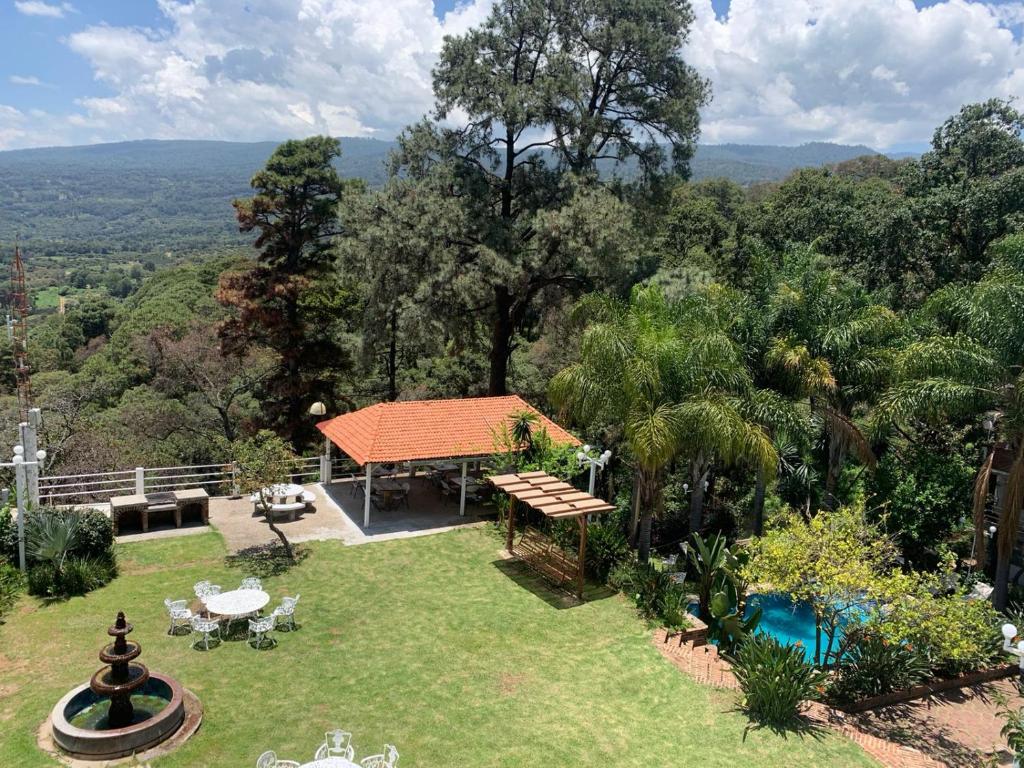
{"x": 834, "y": 347}
{"x": 667, "y": 379}
{"x": 972, "y": 366}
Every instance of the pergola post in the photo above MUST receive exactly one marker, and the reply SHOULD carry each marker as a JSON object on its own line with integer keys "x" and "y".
{"x": 366, "y": 499}
{"x": 462, "y": 496}
{"x": 510, "y": 534}
{"x": 582, "y": 556}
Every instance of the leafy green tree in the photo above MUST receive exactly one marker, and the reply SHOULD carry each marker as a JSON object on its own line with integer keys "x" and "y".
{"x": 264, "y": 460}
{"x": 284, "y": 302}
{"x": 548, "y": 89}
{"x": 970, "y": 367}
{"x": 969, "y": 189}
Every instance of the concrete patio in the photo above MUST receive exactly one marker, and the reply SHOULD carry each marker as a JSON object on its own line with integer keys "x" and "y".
{"x": 336, "y": 514}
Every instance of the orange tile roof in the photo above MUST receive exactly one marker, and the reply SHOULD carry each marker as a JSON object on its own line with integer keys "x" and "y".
{"x": 430, "y": 429}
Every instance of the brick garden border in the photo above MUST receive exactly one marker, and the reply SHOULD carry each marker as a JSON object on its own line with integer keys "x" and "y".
{"x": 939, "y": 685}
{"x": 705, "y": 666}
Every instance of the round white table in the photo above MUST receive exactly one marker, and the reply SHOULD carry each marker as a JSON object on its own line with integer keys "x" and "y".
{"x": 237, "y": 602}
{"x": 283, "y": 492}
{"x": 330, "y": 762}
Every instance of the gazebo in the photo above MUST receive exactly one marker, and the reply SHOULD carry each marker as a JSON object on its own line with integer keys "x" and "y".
{"x": 557, "y": 500}
{"x": 421, "y": 432}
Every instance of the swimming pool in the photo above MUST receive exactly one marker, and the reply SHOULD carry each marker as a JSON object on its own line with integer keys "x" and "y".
{"x": 787, "y": 621}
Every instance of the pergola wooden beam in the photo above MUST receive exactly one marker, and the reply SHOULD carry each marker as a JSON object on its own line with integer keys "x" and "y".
{"x": 555, "y": 499}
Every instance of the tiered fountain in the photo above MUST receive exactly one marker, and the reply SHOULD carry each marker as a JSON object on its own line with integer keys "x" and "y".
{"x": 124, "y": 709}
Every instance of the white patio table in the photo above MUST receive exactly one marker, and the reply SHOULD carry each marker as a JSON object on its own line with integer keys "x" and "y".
{"x": 331, "y": 762}
{"x": 237, "y": 603}
{"x": 283, "y": 491}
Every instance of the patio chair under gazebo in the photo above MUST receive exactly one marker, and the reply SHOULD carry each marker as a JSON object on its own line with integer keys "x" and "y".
{"x": 557, "y": 500}
{"x": 429, "y": 432}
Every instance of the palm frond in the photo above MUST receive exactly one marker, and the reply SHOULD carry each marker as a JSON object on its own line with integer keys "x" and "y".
{"x": 850, "y": 434}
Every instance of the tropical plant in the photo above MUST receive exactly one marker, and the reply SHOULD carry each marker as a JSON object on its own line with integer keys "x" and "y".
{"x": 264, "y": 461}
{"x": 776, "y": 680}
{"x": 670, "y": 380}
{"x": 831, "y": 345}
{"x": 874, "y": 665}
{"x": 51, "y": 537}
{"x": 721, "y": 591}
{"x": 606, "y": 547}
{"x": 971, "y": 367}
{"x": 1013, "y": 727}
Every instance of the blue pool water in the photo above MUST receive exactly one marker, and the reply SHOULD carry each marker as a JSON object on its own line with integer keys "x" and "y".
{"x": 787, "y": 621}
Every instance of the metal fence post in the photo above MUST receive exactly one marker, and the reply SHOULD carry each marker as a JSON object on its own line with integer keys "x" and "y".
{"x": 19, "y": 490}
{"x": 140, "y": 481}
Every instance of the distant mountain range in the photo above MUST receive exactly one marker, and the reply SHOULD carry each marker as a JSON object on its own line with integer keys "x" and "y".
{"x": 174, "y": 197}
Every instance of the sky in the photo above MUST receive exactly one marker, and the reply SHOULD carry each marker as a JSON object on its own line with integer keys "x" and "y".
{"x": 883, "y": 73}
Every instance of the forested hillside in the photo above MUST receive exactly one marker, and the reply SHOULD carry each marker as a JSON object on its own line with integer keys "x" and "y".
{"x": 160, "y": 201}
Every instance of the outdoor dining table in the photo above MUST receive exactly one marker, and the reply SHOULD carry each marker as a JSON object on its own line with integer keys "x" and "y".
{"x": 281, "y": 492}
{"x": 389, "y": 490}
{"x": 330, "y": 762}
{"x": 237, "y": 603}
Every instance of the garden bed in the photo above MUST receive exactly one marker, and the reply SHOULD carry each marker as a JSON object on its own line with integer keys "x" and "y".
{"x": 928, "y": 689}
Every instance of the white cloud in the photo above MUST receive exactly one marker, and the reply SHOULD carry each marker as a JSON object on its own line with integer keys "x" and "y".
{"x": 285, "y": 68}
{"x": 876, "y": 72}
{"x": 28, "y": 80}
{"x": 39, "y": 8}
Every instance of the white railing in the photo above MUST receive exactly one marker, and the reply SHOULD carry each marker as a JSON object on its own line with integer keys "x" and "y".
{"x": 217, "y": 479}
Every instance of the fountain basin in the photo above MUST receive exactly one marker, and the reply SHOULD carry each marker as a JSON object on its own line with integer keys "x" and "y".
{"x": 79, "y": 720}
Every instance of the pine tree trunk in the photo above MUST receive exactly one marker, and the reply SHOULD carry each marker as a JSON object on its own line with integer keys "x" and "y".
{"x": 501, "y": 342}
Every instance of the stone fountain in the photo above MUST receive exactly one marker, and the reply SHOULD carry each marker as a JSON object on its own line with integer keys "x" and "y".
{"x": 124, "y": 709}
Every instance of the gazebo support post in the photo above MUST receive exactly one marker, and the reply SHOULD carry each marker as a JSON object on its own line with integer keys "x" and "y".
{"x": 582, "y": 556}
{"x": 511, "y": 532}
{"x": 462, "y": 496}
{"x": 366, "y": 496}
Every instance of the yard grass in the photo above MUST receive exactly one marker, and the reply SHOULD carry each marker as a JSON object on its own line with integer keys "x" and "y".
{"x": 433, "y": 644}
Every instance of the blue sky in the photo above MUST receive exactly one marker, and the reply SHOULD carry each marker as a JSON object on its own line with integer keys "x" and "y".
{"x": 878, "y": 72}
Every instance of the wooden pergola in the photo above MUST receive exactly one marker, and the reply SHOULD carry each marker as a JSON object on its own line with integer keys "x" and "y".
{"x": 557, "y": 500}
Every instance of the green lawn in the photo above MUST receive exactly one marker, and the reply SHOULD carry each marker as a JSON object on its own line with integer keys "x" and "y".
{"x": 426, "y": 643}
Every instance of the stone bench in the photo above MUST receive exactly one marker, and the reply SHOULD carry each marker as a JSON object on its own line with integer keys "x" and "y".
{"x": 291, "y": 508}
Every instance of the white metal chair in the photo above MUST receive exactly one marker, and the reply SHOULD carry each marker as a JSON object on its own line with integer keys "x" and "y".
{"x": 269, "y": 760}
{"x": 251, "y": 582}
{"x": 286, "y": 610}
{"x": 202, "y": 588}
{"x": 337, "y": 743}
{"x": 389, "y": 759}
{"x": 179, "y": 614}
{"x": 204, "y": 628}
{"x": 258, "y": 629}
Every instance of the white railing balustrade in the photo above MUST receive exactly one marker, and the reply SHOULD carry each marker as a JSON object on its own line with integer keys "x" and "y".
{"x": 216, "y": 479}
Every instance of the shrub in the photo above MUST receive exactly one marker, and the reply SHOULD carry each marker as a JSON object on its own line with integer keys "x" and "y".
{"x": 874, "y": 666}
{"x": 606, "y": 548}
{"x": 77, "y": 576}
{"x": 11, "y": 583}
{"x": 776, "y": 679}
{"x": 954, "y": 634}
{"x": 94, "y": 533}
{"x": 656, "y": 595}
